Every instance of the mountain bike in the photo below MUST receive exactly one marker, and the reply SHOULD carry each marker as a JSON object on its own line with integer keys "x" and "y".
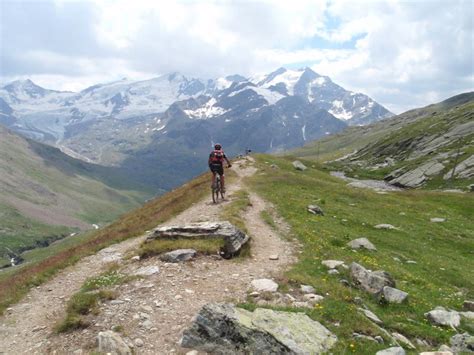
{"x": 217, "y": 189}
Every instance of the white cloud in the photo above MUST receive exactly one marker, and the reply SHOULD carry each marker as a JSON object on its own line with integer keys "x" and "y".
{"x": 402, "y": 53}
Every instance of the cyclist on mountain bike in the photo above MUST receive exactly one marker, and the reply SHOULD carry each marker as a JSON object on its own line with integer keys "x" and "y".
{"x": 216, "y": 164}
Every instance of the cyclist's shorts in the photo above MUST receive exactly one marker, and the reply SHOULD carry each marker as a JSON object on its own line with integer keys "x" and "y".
{"x": 217, "y": 168}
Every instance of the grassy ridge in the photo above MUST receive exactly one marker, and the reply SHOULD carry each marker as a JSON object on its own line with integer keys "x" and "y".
{"x": 15, "y": 285}
{"x": 442, "y": 276}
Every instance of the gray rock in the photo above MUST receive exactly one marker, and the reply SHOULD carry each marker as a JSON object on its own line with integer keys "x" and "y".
{"x": 264, "y": 285}
{"x": 419, "y": 175}
{"x": 111, "y": 342}
{"x": 440, "y": 316}
{"x": 358, "y": 336}
{"x": 402, "y": 339}
{"x": 307, "y": 289}
{"x": 315, "y": 209}
{"x": 463, "y": 170}
{"x": 226, "y": 329}
{"x": 370, "y": 281}
{"x": 437, "y": 220}
{"x": 462, "y": 343}
{"x": 299, "y": 165}
{"x": 313, "y": 298}
{"x": 444, "y": 347}
{"x": 436, "y": 353}
{"x": 392, "y": 351}
{"x": 468, "y": 305}
{"x": 393, "y": 295}
{"x": 385, "y": 226}
{"x": 178, "y": 255}
{"x": 138, "y": 342}
{"x": 147, "y": 270}
{"x": 379, "y": 339}
{"x": 332, "y": 264}
{"x": 333, "y": 272}
{"x": 361, "y": 243}
{"x": 274, "y": 257}
{"x": 233, "y": 237}
{"x": 467, "y": 315}
{"x": 371, "y": 315}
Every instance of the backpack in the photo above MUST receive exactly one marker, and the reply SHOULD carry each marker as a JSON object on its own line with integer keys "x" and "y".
{"x": 217, "y": 156}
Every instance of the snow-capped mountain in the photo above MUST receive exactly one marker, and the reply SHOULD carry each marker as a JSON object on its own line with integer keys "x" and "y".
{"x": 108, "y": 123}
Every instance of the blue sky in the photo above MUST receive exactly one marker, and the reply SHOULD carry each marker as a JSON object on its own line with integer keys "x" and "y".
{"x": 404, "y": 54}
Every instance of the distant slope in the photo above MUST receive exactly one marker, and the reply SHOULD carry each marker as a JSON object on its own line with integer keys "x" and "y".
{"x": 44, "y": 193}
{"x": 415, "y": 148}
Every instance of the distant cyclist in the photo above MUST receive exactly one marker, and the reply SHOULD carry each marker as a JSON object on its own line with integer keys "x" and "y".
{"x": 216, "y": 164}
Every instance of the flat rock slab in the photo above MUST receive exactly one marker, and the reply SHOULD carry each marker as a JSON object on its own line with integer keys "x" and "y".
{"x": 332, "y": 264}
{"x": 226, "y": 329}
{"x": 264, "y": 285}
{"x": 392, "y": 351}
{"x": 385, "y": 226}
{"x": 371, "y": 315}
{"x": 233, "y": 237}
{"x": 437, "y": 220}
{"x": 361, "y": 243}
{"x": 178, "y": 255}
{"x": 147, "y": 271}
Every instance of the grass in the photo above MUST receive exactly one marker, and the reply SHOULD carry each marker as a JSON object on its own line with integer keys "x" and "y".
{"x": 442, "y": 276}
{"x": 15, "y": 284}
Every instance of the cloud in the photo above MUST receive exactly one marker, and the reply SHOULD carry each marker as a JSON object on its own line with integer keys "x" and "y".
{"x": 403, "y": 54}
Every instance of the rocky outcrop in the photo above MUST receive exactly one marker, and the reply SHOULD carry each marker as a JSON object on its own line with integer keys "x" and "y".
{"x": 418, "y": 176}
{"x": 178, "y": 255}
{"x": 370, "y": 281}
{"x": 463, "y": 170}
{"x": 226, "y": 329}
{"x": 111, "y": 343}
{"x": 233, "y": 237}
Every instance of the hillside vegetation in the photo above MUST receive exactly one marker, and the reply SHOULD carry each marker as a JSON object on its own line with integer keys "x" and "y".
{"x": 46, "y": 195}
{"x": 433, "y": 262}
{"x": 419, "y": 147}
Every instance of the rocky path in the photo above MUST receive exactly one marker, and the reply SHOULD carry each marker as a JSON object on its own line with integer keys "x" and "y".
{"x": 151, "y": 312}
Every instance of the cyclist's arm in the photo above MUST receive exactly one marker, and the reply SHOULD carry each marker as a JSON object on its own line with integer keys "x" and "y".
{"x": 227, "y": 160}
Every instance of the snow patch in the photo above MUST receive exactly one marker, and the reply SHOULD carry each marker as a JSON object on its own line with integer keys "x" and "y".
{"x": 339, "y": 111}
{"x": 208, "y": 110}
{"x": 289, "y": 78}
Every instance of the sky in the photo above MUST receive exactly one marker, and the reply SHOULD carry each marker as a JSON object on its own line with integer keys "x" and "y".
{"x": 404, "y": 54}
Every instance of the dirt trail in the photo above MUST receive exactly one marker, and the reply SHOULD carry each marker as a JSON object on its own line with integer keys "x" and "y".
{"x": 154, "y": 311}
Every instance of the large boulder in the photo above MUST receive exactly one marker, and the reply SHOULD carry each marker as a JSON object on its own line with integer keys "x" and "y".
{"x": 111, "y": 343}
{"x": 393, "y": 295}
{"x": 233, "y": 237}
{"x": 226, "y": 329}
{"x": 370, "y": 281}
{"x": 178, "y": 255}
{"x": 462, "y": 343}
{"x": 441, "y": 316}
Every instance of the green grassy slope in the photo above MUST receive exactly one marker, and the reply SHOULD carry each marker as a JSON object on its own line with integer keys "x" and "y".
{"x": 45, "y": 194}
{"x": 444, "y": 252}
{"x": 384, "y": 138}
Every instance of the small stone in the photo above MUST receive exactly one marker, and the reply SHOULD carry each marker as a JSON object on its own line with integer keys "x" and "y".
{"x": 402, "y": 339}
{"x": 273, "y": 257}
{"x": 385, "y": 226}
{"x": 371, "y": 316}
{"x": 147, "y": 324}
{"x": 135, "y": 258}
{"x": 440, "y": 316}
{"x": 192, "y": 352}
{"x": 333, "y": 272}
{"x": 379, "y": 339}
{"x": 147, "y": 271}
{"x": 332, "y": 264}
{"x": 115, "y": 302}
{"x": 299, "y": 165}
{"x": 468, "y": 306}
{"x": 138, "y": 342}
{"x": 313, "y": 298}
{"x": 264, "y": 285}
{"x": 147, "y": 309}
{"x": 361, "y": 243}
{"x": 255, "y": 294}
{"x": 411, "y": 262}
{"x": 315, "y": 209}
{"x": 178, "y": 297}
{"x": 391, "y": 351}
{"x": 307, "y": 289}
{"x": 437, "y": 220}
{"x": 393, "y": 295}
